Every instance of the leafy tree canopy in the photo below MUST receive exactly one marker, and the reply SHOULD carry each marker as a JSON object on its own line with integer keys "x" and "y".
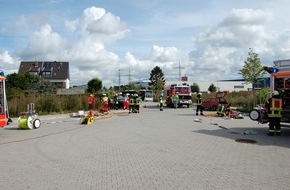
{"x": 155, "y": 76}
{"x": 212, "y": 88}
{"x": 94, "y": 85}
{"x": 17, "y": 83}
{"x": 252, "y": 68}
{"x": 195, "y": 87}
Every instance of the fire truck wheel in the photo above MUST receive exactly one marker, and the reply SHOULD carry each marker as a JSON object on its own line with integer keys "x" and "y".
{"x": 36, "y": 123}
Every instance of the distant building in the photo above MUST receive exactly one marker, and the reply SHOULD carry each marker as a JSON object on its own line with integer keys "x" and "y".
{"x": 143, "y": 84}
{"x": 184, "y": 78}
{"x": 221, "y": 85}
{"x": 50, "y": 71}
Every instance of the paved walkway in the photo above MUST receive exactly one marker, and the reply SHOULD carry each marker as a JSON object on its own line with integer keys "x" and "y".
{"x": 170, "y": 149}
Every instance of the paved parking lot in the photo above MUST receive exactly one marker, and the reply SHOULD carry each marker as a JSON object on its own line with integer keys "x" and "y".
{"x": 154, "y": 149}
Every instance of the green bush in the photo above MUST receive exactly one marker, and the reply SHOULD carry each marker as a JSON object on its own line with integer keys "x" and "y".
{"x": 49, "y": 103}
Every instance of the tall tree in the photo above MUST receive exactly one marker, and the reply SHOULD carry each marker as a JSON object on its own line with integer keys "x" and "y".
{"x": 212, "y": 88}
{"x": 155, "y": 76}
{"x": 17, "y": 83}
{"x": 94, "y": 85}
{"x": 195, "y": 87}
{"x": 252, "y": 70}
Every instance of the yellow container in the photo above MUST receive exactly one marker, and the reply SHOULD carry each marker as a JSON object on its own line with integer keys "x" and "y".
{"x": 25, "y": 122}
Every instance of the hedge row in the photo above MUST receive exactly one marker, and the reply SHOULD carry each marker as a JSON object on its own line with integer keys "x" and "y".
{"x": 49, "y": 103}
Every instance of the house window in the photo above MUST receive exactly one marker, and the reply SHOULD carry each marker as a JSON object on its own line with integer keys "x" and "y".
{"x": 47, "y": 64}
{"x": 33, "y": 73}
{"x": 46, "y": 73}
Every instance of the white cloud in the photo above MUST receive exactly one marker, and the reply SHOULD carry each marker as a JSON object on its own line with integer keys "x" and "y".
{"x": 242, "y": 28}
{"x": 246, "y": 17}
{"x": 94, "y": 38}
{"x": 8, "y": 62}
{"x": 5, "y": 58}
{"x": 43, "y": 45}
{"x": 221, "y": 50}
{"x": 100, "y": 25}
{"x": 164, "y": 54}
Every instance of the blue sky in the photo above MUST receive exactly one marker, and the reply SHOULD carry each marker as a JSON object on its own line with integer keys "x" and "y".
{"x": 210, "y": 39}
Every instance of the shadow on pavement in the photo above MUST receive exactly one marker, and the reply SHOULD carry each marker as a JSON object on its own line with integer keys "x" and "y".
{"x": 257, "y": 134}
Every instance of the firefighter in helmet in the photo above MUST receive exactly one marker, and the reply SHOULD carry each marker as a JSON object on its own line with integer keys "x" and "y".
{"x": 199, "y": 104}
{"x": 161, "y": 102}
{"x": 91, "y": 101}
{"x": 105, "y": 101}
{"x": 137, "y": 103}
{"x": 274, "y": 108}
{"x": 131, "y": 103}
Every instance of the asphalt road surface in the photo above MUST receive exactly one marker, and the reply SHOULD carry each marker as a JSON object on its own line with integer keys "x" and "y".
{"x": 170, "y": 149}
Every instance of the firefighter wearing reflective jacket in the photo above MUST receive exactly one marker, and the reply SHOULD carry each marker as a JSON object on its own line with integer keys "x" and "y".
{"x": 274, "y": 107}
{"x": 131, "y": 103}
{"x": 161, "y": 102}
{"x": 137, "y": 103}
{"x": 199, "y": 104}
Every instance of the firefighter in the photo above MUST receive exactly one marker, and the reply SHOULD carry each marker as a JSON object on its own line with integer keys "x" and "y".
{"x": 91, "y": 101}
{"x": 105, "y": 101}
{"x": 126, "y": 102}
{"x": 137, "y": 103}
{"x": 116, "y": 100}
{"x": 199, "y": 104}
{"x": 274, "y": 108}
{"x": 221, "y": 110}
{"x": 131, "y": 103}
{"x": 161, "y": 102}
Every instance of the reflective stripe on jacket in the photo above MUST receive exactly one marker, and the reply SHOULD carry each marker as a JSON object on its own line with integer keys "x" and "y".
{"x": 275, "y": 108}
{"x": 198, "y": 101}
{"x": 137, "y": 101}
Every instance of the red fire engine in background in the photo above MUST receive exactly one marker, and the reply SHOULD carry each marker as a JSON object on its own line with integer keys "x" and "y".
{"x": 280, "y": 81}
{"x": 182, "y": 90}
{"x": 4, "y": 116}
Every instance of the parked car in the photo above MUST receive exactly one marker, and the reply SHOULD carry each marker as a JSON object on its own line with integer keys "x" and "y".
{"x": 120, "y": 105}
{"x": 213, "y": 102}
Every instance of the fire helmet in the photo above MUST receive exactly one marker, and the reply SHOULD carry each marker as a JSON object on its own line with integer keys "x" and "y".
{"x": 275, "y": 93}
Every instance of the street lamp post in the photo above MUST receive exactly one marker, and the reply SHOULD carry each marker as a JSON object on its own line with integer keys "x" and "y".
{"x": 119, "y": 81}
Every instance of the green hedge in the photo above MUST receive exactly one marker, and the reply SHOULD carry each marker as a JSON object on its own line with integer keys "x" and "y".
{"x": 49, "y": 103}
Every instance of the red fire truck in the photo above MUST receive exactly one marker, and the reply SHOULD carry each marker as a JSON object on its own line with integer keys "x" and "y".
{"x": 4, "y": 118}
{"x": 182, "y": 90}
{"x": 280, "y": 81}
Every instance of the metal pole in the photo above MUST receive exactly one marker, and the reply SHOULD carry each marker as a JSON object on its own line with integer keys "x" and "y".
{"x": 119, "y": 81}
